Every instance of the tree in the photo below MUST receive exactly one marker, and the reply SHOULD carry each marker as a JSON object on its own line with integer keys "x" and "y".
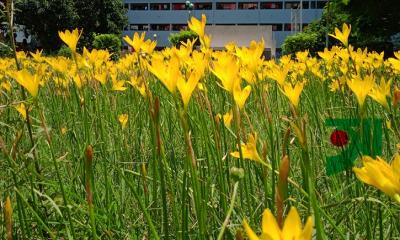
{"x": 44, "y": 18}
{"x": 374, "y": 23}
{"x": 100, "y": 17}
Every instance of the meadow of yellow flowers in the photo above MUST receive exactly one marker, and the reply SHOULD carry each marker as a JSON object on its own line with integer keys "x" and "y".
{"x": 193, "y": 143}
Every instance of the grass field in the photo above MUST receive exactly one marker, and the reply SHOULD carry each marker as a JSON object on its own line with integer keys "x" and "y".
{"x": 187, "y": 143}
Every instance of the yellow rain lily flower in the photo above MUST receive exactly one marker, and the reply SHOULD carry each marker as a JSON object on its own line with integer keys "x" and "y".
{"x": 206, "y": 43}
{"x": 226, "y": 61}
{"x": 186, "y": 88}
{"x": 21, "y": 109}
{"x": 230, "y": 47}
{"x": 240, "y": 95}
{"x": 136, "y": 42}
{"x": 63, "y": 130}
{"x": 361, "y": 87}
{"x": 327, "y": 55}
{"x": 70, "y": 38}
{"x": 249, "y": 150}
{"x": 29, "y": 81}
{"x": 380, "y": 174}
{"x": 123, "y": 120}
{"x": 198, "y": 26}
{"x": 148, "y": 46}
{"x": 380, "y": 93}
{"x": 77, "y": 80}
{"x": 279, "y": 74}
{"x": 228, "y": 119}
{"x": 167, "y": 72}
{"x": 6, "y": 85}
{"x": 302, "y": 56}
{"x": 293, "y": 92}
{"x": 37, "y": 55}
{"x": 292, "y": 228}
{"x": 101, "y": 77}
{"x": 342, "y": 36}
{"x": 189, "y": 44}
{"x": 118, "y": 85}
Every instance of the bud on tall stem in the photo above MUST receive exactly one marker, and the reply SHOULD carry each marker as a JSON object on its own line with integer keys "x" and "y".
{"x": 8, "y": 218}
{"x": 88, "y": 171}
{"x": 282, "y": 188}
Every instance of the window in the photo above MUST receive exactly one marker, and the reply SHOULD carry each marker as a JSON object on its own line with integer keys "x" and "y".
{"x": 179, "y": 27}
{"x": 290, "y": 5}
{"x": 288, "y": 27}
{"x": 160, "y": 27}
{"x": 248, "y": 5}
{"x": 271, "y": 5}
{"x": 126, "y": 6}
{"x": 139, "y": 27}
{"x": 203, "y": 6}
{"x": 226, "y": 6}
{"x": 178, "y": 6}
{"x": 160, "y": 6}
{"x": 321, "y": 4}
{"x": 275, "y": 26}
{"x": 318, "y": 4}
{"x": 139, "y": 6}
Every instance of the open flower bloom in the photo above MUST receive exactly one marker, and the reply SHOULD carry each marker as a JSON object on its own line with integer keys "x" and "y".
{"x": 361, "y": 87}
{"x": 22, "y": 110}
{"x": 293, "y": 92}
{"x": 29, "y": 81}
{"x": 292, "y": 228}
{"x": 70, "y": 38}
{"x": 381, "y": 175}
{"x": 343, "y": 35}
{"x": 228, "y": 118}
{"x": 186, "y": 88}
{"x": 380, "y": 93}
{"x": 198, "y": 26}
{"x": 136, "y": 42}
{"x": 249, "y": 150}
{"x": 240, "y": 95}
{"x": 167, "y": 72}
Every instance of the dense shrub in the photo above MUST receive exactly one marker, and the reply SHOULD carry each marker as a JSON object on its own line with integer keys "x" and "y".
{"x": 65, "y": 52}
{"x": 176, "y": 38}
{"x": 111, "y": 42}
{"x": 300, "y": 42}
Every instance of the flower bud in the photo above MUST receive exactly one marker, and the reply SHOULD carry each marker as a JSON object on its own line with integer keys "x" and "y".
{"x": 89, "y": 153}
{"x": 8, "y": 218}
{"x": 396, "y": 96}
{"x": 236, "y": 173}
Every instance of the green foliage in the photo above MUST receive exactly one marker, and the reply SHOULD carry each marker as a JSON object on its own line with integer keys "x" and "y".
{"x": 373, "y": 23}
{"x": 111, "y": 42}
{"x": 5, "y": 51}
{"x": 176, "y": 38}
{"x": 65, "y": 51}
{"x": 45, "y": 18}
{"x": 300, "y": 42}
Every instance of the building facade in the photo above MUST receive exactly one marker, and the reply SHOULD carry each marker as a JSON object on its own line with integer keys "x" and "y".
{"x": 160, "y": 18}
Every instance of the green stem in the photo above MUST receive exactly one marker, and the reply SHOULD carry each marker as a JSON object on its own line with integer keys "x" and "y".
{"x": 142, "y": 207}
{"x": 228, "y": 215}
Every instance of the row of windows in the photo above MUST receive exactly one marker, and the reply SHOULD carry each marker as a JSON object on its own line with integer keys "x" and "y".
{"x": 226, "y": 5}
{"x": 178, "y": 27}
